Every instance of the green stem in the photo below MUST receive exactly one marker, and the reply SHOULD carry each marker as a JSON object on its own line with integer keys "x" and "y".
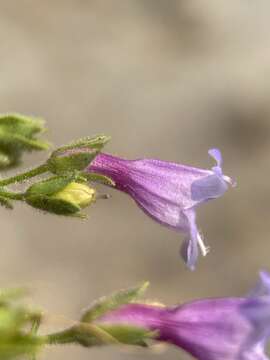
{"x": 24, "y": 176}
{"x": 11, "y": 195}
{"x": 61, "y": 337}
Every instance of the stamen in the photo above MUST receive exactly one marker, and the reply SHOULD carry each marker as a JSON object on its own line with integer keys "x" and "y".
{"x": 103, "y": 196}
{"x": 229, "y": 180}
{"x": 204, "y": 249}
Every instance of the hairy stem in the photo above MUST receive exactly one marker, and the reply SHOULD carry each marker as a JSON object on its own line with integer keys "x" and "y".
{"x": 24, "y": 176}
{"x": 62, "y": 337}
{"x": 11, "y": 195}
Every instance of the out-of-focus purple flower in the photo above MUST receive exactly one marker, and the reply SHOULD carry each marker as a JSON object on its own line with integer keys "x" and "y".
{"x": 168, "y": 192}
{"x": 208, "y": 329}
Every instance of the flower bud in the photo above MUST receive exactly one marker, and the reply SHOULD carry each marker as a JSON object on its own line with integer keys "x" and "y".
{"x": 17, "y": 135}
{"x": 60, "y": 195}
{"x": 80, "y": 194}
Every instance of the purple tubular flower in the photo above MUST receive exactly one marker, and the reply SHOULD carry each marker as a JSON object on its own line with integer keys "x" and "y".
{"x": 208, "y": 329}
{"x": 168, "y": 192}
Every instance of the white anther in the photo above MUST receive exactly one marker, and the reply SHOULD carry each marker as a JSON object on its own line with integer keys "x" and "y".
{"x": 204, "y": 249}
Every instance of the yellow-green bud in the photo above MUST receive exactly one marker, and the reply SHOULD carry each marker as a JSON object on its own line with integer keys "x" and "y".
{"x": 78, "y": 194}
{"x": 60, "y": 195}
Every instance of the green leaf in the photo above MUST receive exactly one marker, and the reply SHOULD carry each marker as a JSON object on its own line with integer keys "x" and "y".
{"x": 112, "y": 302}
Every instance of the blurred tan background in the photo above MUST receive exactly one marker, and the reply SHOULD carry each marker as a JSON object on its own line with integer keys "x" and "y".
{"x": 166, "y": 79}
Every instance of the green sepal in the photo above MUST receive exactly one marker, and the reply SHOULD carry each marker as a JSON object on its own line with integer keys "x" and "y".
{"x": 18, "y": 134}
{"x": 12, "y": 142}
{"x": 112, "y": 302}
{"x": 39, "y": 195}
{"x": 54, "y": 206}
{"x": 105, "y": 180}
{"x": 49, "y": 186}
{"x": 44, "y": 195}
{"x": 21, "y": 124}
{"x": 130, "y": 335}
{"x": 76, "y": 156}
{"x": 29, "y": 144}
{"x": 89, "y": 335}
{"x": 96, "y": 142}
{"x": 70, "y": 162}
